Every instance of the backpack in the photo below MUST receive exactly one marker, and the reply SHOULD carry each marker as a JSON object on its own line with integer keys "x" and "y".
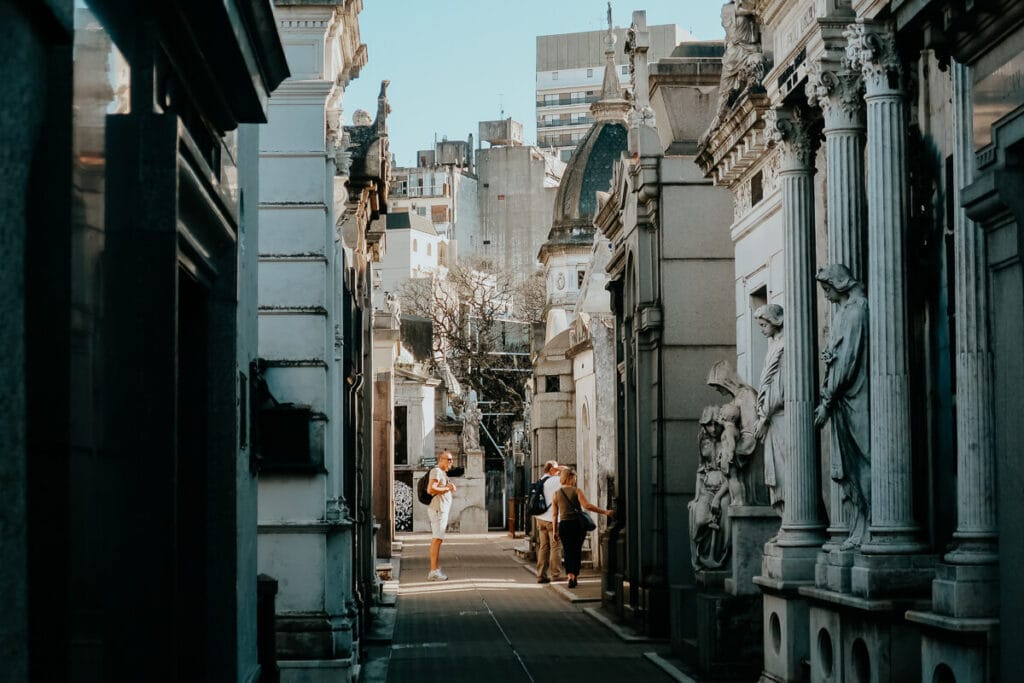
{"x": 535, "y": 502}
{"x": 422, "y": 493}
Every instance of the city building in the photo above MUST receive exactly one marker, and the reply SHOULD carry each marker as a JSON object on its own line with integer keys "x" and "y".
{"x": 441, "y": 187}
{"x": 570, "y": 72}
{"x": 415, "y": 250}
{"x": 129, "y": 222}
{"x": 516, "y": 186}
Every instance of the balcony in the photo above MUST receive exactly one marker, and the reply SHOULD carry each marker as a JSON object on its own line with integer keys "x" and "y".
{"x": 563, "y": 140}
{"x": 419, "y": 191}
{"x": 565, "y": 100}
{"x": 553, "y": 123}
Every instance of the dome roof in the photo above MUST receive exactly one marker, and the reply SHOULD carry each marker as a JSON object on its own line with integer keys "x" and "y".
{"x": 590, "y": 167}
{"x": 589, "y": 171}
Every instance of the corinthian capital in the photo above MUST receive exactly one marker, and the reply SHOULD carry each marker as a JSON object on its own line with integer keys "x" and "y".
{"x": 871, "y": 49}
{"x": 789, "y": 128}
{"x": 837, "y": 93}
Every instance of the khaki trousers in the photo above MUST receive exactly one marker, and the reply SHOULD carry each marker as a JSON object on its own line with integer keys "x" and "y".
{"x": 549, "y": 551}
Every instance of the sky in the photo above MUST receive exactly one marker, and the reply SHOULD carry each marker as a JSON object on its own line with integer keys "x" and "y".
{"x": 453, "y": 63}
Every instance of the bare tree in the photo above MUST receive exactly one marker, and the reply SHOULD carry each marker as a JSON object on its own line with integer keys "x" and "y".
{"x": 481, "y": 319}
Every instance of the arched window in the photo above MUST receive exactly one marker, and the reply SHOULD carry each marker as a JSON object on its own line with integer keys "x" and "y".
{"x": 428, "y": 248}
{"x": 415, "y": 245}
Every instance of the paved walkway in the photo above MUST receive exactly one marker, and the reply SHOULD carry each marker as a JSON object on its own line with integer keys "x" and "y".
{"x": 491, "y": 622}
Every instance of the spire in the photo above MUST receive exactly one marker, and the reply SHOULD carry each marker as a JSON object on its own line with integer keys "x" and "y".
{"x": 612, "y": 106}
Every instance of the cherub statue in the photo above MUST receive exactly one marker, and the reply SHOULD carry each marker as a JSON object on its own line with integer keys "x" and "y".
{"x": 749, "y": 459}
{"x": 728, "y": 419}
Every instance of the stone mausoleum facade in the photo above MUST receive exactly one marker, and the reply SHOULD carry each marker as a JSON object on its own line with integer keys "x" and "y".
{"x": 879, "y": 136}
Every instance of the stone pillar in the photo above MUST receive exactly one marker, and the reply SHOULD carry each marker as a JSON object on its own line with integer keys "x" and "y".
{"x": 893, "y": 529}
{"x": 838, "y": 95}
{"x": 966, "y": 586}
{"x": 890, "y": 562}
{"x": 976, "y": 480}
{"x": 789, "y": 562}
{"x": 802, "y": 524}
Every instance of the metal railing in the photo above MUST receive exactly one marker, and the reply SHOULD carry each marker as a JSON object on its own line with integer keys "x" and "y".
{"x": 418, "y": 191}
{"x": 563, "y": 101}
{"x": 582, "y": 121}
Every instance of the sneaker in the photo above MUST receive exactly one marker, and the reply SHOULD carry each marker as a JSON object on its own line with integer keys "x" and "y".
{"x": 437, "y": 575}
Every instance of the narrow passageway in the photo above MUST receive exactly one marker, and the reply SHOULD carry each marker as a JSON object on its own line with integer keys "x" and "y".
{"x": 492, "y": 622}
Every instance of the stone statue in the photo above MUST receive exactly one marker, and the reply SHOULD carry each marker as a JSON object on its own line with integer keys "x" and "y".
{"x": 728, "y": 420}
{"x": 709, "y": 529}
{"x": 844, "y": 397}
{"x": 471, "y": 416}
{"x": 771, "y": 429}
{"x": 393, "y": 303}
{"x": 743, "y": 64}
{"x": 749, "y": 464}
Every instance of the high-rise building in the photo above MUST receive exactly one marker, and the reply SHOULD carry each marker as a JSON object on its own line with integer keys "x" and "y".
{"x": 570, "y": 68}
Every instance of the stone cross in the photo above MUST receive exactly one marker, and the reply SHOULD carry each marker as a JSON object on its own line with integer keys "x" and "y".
{"x": 638, "y": 42}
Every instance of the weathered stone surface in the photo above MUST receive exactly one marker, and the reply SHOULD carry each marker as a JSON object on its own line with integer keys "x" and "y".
{"x": 751, "y": 527}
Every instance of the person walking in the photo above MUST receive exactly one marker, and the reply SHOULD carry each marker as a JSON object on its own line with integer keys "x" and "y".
{"x": 566, "y": 505}
{"x": 549, "y": 550}
{"x": 440, "y": 505}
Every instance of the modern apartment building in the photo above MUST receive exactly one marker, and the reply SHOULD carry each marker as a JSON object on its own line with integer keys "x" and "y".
{"x": 570, "y": 67}
{"x": 439, "y": 186}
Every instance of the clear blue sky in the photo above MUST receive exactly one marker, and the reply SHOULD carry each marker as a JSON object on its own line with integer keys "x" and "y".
{"x": 453, "y": 63}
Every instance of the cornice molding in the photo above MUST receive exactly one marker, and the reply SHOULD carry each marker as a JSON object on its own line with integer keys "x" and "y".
{"x": 737, "y": 143}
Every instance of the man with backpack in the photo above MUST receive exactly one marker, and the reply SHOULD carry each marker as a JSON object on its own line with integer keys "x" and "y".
{"x": 440, "y": 505}
{"x": 549, "y": 550}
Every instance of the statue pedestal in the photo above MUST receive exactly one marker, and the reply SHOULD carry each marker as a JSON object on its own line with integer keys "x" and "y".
{"x": 852, "y": 638}
{"x": 469, "y": 505}
{"x": 752, "y": 526}
{"x": 833, "y": 570}
{"x": 474, "y": 462}
{"x": 727, "y": 639}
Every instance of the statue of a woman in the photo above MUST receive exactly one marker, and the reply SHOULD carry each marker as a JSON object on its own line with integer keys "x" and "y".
{"x": 844, "y": 396}
{"x": 709, "y": 528}
{"x": 771, "y": 419}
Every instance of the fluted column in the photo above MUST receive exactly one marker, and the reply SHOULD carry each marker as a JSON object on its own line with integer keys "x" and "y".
{"x": 801, "y": 520}
{"x": 838, "y": 94}
{"x": 893, "y": 529}
{"x": 975, "y": 535}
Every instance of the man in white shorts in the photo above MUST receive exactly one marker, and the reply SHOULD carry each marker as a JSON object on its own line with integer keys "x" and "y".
{"x": 441, "y": 504}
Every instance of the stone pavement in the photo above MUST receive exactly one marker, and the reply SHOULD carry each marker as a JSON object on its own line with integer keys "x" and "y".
{"x": 492, "y": 622}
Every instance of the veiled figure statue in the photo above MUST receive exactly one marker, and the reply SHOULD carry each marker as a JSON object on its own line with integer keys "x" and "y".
{"x": 709, "y": 528}
{"x": 844, "y": 396}
{"x": 749, "y": 463}
{"x": 771, "y": 428}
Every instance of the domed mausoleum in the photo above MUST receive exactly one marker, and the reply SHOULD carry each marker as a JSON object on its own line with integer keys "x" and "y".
{"x": 567, "y": 251}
